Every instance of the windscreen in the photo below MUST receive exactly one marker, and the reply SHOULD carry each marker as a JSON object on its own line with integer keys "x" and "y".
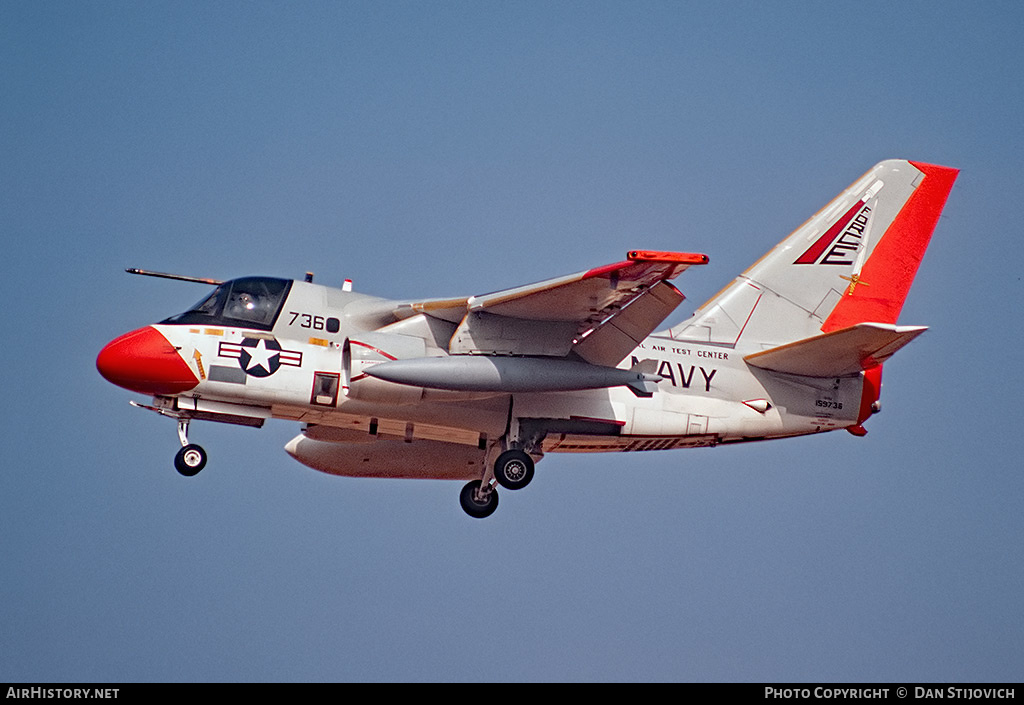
{"x": 250, "y": 302}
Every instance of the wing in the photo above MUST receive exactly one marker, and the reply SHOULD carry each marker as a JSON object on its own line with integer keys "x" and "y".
{"x": 600, "y": 314}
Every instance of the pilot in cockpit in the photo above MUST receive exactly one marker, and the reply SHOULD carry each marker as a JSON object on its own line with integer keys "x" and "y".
{"x": 243, "y": 305}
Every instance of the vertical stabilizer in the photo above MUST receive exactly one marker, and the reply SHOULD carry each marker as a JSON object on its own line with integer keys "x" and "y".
{"x": 852, "y": 262}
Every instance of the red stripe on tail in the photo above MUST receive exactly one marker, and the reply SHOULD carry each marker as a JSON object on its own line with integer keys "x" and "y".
{"x": 815, "y": 251}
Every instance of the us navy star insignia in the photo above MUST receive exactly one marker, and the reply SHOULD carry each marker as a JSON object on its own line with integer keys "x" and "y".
{"x": 263, "y": 359}
{"x": 260, "y": 357}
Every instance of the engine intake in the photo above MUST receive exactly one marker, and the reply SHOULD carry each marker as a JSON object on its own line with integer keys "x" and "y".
{"x": 358, "y": 353}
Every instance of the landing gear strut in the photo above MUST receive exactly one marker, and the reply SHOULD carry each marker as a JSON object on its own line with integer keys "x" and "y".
{"x": 191, "y": 458}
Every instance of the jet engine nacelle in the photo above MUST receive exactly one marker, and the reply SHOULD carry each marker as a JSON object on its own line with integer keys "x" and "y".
{"x": 365, "y": 350}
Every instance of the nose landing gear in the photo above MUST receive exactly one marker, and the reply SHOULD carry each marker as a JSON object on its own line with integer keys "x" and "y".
{"x": 191, "y": 458}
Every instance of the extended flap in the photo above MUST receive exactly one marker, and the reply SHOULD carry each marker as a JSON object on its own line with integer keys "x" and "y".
{"x": 618, "y": 335}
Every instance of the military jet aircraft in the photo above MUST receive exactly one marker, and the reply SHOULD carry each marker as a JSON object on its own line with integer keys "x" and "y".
{"x": 480, "y": 388}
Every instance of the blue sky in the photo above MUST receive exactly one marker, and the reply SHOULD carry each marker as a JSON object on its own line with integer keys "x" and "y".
{"x": 450, "y": 148}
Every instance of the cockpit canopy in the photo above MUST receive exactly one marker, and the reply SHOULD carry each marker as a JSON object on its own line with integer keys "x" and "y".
{"x": 249, "y": 302}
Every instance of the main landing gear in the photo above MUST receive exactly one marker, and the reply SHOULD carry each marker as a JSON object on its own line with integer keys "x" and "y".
{"x": 478, "y": 500}
{"x": 513, "y": 469}
{"x": 191, "y": 458}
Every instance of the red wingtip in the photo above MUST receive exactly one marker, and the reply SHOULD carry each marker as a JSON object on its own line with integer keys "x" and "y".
{"x": 668, "y": 257}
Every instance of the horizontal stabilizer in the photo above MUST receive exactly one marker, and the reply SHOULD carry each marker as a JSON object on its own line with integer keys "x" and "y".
{"x": 840, "y": 353}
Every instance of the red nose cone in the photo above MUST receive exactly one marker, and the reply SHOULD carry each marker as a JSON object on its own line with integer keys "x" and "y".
{"x": 143, "y": 361}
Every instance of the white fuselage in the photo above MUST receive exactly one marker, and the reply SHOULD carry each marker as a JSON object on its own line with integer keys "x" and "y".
{"x": 707, "y": 394}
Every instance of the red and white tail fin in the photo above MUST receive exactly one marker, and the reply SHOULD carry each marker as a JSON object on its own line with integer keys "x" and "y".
{"x": 852, "y": 262}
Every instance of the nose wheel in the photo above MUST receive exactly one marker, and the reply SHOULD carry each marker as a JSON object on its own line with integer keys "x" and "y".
{"x": 191, "y": 458}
